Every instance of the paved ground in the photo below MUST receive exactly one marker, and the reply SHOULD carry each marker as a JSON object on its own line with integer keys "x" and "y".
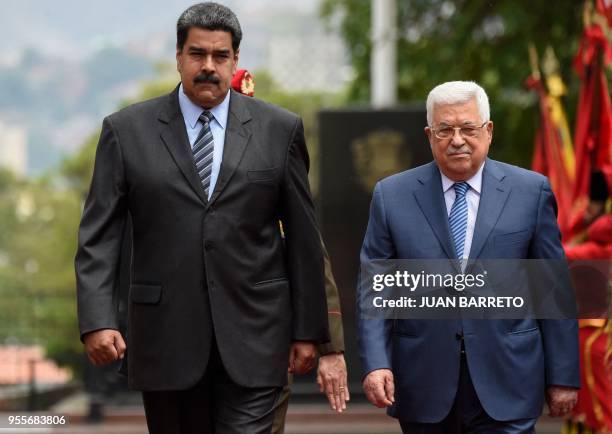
{"x": 361, "y": 418}
{"x": 302, "y": 419}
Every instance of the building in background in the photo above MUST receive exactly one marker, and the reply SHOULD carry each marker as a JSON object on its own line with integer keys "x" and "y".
{"x": 13, "y": 149}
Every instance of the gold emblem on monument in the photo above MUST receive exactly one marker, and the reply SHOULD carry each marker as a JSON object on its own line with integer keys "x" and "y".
{"x": 379, "y": 154}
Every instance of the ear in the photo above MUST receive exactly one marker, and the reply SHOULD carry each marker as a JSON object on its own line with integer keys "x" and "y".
{"x": 236, "y": 57}
{"x": 178, "y": 59}
{"x": 429, "y": 134}
{"x": 490, "y": 131}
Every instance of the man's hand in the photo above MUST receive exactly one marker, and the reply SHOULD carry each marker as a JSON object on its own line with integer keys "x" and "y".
{"x": 331, "y": 377}
{"x": 302, "y": 357}
{"x": 561, "y": 400}
{"x": 104, "y": 346}
{"x": 379, "y": 388}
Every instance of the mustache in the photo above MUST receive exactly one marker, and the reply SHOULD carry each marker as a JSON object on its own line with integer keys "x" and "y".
{"x": 462, "y": 150}
{"x": 206, "y": 78}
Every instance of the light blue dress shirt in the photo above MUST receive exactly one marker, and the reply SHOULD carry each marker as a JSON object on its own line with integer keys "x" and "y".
{"x": 191, "y": 114}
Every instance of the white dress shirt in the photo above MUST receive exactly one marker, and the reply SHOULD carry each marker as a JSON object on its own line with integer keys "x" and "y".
{"x": 473, "y": 200}
{"x": 191, "y": 114}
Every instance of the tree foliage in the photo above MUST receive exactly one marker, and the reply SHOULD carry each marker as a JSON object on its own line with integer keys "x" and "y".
{"x": 37, "y": 244}
{"x": 484, "y": 41}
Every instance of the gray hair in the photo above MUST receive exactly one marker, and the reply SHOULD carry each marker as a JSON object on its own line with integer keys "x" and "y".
{"x": 458, "y": 92}
{"x": 209, "y": 16}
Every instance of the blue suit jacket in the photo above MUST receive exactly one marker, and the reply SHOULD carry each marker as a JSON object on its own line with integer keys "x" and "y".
{"x": 510, "y": 361}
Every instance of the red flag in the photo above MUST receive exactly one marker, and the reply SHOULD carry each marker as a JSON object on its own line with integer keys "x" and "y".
{"x": 549, "y": 157}
{"x": 604, "y": 7}
{"x": 593, "y": 134}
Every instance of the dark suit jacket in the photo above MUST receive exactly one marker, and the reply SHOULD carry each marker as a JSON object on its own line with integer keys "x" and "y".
{"x": 510, "y": 361}
{"x": 203, "y": 269}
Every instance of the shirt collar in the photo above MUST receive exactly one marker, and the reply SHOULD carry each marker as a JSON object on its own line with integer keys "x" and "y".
{"x": 475, "y": 182}
{"x": 191, "y": 111}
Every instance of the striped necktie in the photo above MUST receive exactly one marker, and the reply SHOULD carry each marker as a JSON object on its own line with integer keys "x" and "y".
{"x": 458, "y": 217}
{"x": 203, "y": 150}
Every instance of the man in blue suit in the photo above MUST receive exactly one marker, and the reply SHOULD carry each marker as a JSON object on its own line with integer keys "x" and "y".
{"x": 466, "y": 376}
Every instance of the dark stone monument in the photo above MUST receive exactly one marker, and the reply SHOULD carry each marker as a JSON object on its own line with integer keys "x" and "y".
{"x": 357, "y": 149}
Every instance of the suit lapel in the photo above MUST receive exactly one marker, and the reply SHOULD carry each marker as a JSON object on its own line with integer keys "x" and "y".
{"x": 430, "y": 198}
{"x": 175, "y": 139}
{"x": 492, "y": 201}
{"x": 237, "y": 137}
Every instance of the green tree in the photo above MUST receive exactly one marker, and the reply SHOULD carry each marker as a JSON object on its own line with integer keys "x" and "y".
{"x": 484, "y": 41}
{"x": 37, "y": 241}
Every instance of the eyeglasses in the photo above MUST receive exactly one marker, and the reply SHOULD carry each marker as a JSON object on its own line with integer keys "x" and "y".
{"x": 466, "y": 131}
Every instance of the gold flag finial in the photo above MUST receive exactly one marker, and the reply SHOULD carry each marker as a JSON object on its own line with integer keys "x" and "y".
{"x": 587, "y": 14}
{"x": 550, "y": 67}
{"x": 533, "y": 60}
{"x": 550, "y": 64}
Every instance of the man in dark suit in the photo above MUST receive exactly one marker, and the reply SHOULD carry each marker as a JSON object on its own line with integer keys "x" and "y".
{"x": 218, "y": 306}
{"x": 466, "y": 376}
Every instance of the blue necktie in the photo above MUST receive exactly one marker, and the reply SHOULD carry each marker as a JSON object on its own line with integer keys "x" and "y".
{"x": 458, "y": 217}
{"x": 203, "y": 150}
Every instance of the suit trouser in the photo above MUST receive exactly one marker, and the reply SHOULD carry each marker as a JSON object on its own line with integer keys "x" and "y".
{"x": 282, "y": 405}
{"x": 214, "y": 405}
{"x": 467, "y": 415}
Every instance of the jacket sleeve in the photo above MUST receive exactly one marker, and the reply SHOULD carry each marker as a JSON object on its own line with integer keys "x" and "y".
{"x": 560, "y": 337}
{"x": 304, "y": 255}
{"x": 374, "y": 335}
{"x": 100, "y": 237}
{"x": 334, "y": 312}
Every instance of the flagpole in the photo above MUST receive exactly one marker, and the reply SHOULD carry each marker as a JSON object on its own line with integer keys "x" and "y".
{"x": 383, "y": 59}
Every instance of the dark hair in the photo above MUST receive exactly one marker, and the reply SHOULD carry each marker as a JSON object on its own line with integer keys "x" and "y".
{"x": 209, "y": 16}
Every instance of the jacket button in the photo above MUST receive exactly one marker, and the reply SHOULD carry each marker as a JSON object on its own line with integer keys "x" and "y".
{"x": 459, "y": 336}
{"x": 208, "y": 245}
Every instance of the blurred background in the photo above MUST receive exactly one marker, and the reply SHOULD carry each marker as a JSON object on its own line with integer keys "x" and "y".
{"x": 357, "y": 71}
